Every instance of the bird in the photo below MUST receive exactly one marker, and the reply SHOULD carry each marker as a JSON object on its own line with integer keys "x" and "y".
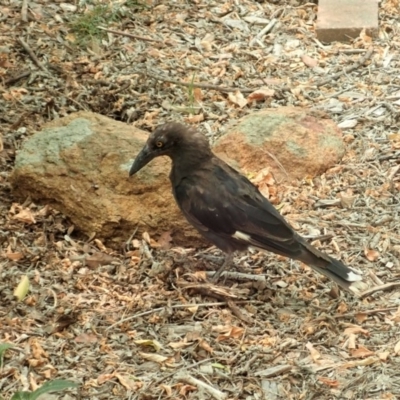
{"x": 227, "y": 209}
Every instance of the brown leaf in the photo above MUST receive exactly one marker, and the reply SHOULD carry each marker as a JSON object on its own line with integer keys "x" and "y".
{"x": 129, "y": 383}
{"x": 229, "y": 333}
{"x": 314, "y": 353}
{"x": 237, "y": 98}
{"x": 328, "y": 382}
{"x": 25, "y": 216}
{"x": 372, "y": 255}
{"x": 261, "y": 94}
{"x": 86, "y": 338}
{"x": 361, "y": 352}
{"x": 164, "y": 241}
{"x": 97, "y": 259}
{"x": 310, "y": 62}
{"x": 397, "y": 348}
{"x": 194, "y": 119}
{"x": 204, "y": 345}
{"x": 355, "y": 329}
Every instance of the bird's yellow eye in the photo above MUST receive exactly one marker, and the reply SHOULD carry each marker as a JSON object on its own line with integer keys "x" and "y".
{"x": 159, "y": 144}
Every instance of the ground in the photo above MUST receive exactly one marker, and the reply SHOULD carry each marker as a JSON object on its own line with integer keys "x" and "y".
{"x": 140, "y": 322}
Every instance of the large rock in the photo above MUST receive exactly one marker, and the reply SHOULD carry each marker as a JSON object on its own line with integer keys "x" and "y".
{"x": 79, "y": 164}
{"x": 292, "y": 142}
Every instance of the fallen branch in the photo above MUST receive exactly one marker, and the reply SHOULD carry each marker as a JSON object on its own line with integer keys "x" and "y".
{"x": 200, "y": 85}
{"x": 130, "y": 35}
{"x": 189, "y": 305}
{"x": 386, "y": 286}
{"x": 217, "y": 394}
{"x": 24, "y": 11}
{"x": 348, "y": 69}
{"x": 32, "y": 54}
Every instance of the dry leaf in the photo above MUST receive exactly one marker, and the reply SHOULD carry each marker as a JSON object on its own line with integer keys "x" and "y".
{"x": 361, "y": 352}
{"x": 149, "y": 342}
{"x": 154, "y": 357}
{"x": 231, "y": 332}
{"x": 309, "y": 61}
{"x": 315, "y": 355}
{"x": 397, "y": 348}
{"x": 22, "y": 289}
{"x": 25, "y": 216}
{"x": 204, "y": 345}
{"x": 372, "y": 255}
{"x": 13, "y": 256}
{"x": 384, "y": 355}
{"x": 197, "y": 94}
{"x": 355, "y": 329}
{"x": 164, "y": 241}
{"x": 261, "y": 94}
{"x": 194, "y": 119}
{"x": 167, "y": 389}
{"x": 360, "y": 317}
{"x": 237, "y": 98}
{"x": 329, "y": 382}
{"x": 86, "y": 338}
{"x": 351, "y": 342}
{"x": 129, "y": 383}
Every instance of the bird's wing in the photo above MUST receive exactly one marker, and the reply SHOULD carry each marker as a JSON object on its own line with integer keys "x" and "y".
{"x": 219, "y": 199}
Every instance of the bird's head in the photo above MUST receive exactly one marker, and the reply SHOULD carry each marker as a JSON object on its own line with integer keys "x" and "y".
{"x": 170, "y": 139}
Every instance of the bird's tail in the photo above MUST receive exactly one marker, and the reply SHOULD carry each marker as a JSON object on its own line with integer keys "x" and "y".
{"x": 346, "y": 277}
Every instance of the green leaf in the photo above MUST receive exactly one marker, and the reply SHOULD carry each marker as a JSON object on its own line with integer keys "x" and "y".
{"x": 52, "y": 386}
{"x": 21, "y": 396}
{"x": 3, "y": 348}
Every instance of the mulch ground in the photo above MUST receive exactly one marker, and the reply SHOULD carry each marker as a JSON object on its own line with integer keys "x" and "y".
{"x": 141, "y": 322}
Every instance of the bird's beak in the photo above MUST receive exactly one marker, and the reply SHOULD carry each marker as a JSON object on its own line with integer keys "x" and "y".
{"x": 143, "y": 158}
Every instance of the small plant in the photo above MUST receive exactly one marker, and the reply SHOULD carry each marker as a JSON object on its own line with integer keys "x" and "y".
{"x": 3, "y": 348}
{"x": 86, "y": 26}
{"x": 52, "y": 386}
{"x": 191, "y": 94}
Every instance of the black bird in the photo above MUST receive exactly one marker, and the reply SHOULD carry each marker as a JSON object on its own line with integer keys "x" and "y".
{"x": 226, "y": 208}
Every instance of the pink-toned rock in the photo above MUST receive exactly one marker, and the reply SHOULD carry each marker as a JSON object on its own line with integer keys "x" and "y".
{"x": 294, "y": 143}
{"x": 79, "y": 165}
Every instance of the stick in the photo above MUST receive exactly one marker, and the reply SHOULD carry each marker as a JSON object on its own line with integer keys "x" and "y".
{"x": 17, "y": 77}
{"x": 386, "y": 286}
{"x": 348, "y": 69}
{"x": 24, "y": 11}
{"x": 189, "y": 305}
{"x": 130, "y": 35}
{"x": 31, "y": 54}
{"x": 201, "y": 85}
{"x": 217, "y": 394}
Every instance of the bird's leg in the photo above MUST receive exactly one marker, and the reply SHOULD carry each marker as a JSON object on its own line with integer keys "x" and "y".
{"x": 227, "y": 262}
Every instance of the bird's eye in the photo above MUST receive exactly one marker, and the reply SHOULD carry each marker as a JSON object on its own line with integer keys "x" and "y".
{"x": 159, "y": 144}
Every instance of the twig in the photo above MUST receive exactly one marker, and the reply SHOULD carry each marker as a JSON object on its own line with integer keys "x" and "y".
{"x": 16, "y": 78}
{"x": 267, "y": 28}
{"x": 239, "y": 276}
{"x": 31, "y": 54}
{"x": 217, "y": 394}
{"x": 348, "y": 69}
{"x": 186, "y": 368}
{"x": 238, "y": 312}
{"x": 131, "y": 35}
{"x": 24, "y": 11}
{"x": 189, "y": 305}
{"x": 200, "y": 85}
{"x": 366, "y": 312}
{"x": 386, "y": 286}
